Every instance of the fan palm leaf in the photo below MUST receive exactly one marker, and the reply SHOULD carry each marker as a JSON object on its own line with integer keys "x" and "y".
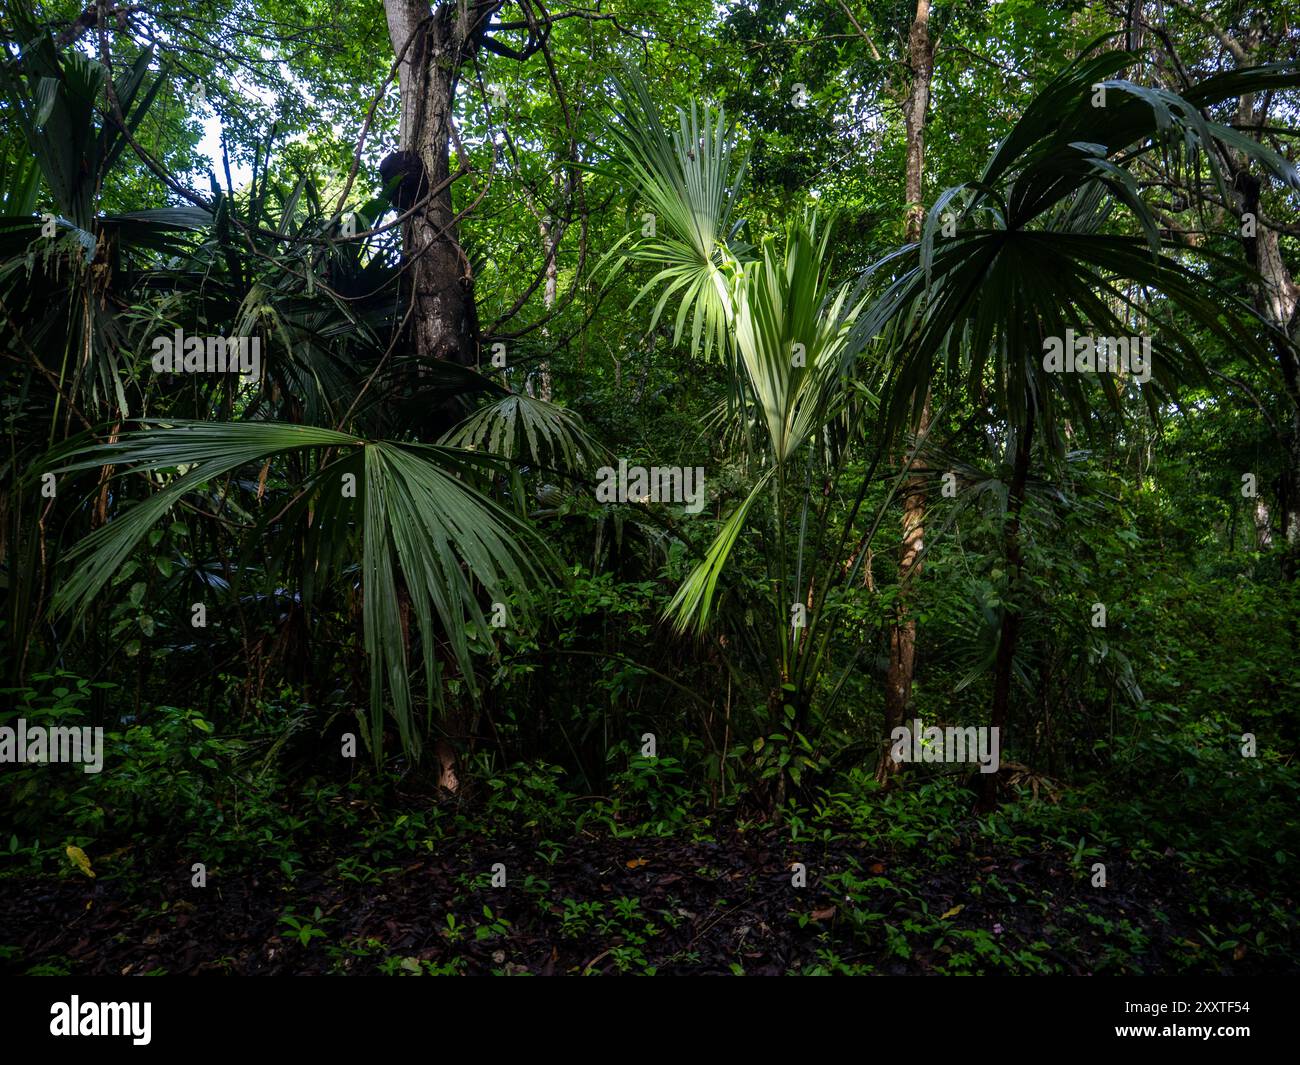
{"x": 420, "y": 516}
{"x": 690, "y": 183}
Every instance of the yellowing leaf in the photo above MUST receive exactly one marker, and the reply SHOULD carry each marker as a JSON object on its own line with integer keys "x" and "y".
{"x": 79, "y": 859}
{"x": 636, "y": 863}
{"x": 953, "y": 912}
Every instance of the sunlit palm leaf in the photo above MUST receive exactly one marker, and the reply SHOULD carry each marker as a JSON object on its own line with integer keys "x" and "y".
{"x": 692, "y": 604}
{"x": 689, "y": 183}
{"x": 794, "y": 339}
{"x": 793, "y": 335}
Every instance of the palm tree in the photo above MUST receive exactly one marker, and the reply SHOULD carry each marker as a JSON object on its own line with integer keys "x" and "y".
{"x": 263, "y": 475}
{"x": 1039, "y": 248}
{"x": 425, "y": 534}
{"x": 795, "y": 403}
{"x": 63, "y": 270}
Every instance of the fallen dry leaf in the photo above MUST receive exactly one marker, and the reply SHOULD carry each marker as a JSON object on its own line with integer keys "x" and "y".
{"x": 79, "y": 859}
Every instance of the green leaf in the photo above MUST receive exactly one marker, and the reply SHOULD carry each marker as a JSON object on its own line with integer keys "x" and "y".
{"x": 422, "y": 518}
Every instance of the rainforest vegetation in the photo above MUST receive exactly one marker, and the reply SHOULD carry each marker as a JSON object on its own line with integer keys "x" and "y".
{"x": 650, "y": 487}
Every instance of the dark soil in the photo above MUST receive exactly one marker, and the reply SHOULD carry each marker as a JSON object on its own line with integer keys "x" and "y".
{"x": 704, "y": 907}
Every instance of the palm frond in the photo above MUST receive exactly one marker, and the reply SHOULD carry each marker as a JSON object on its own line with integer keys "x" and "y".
{"x": 689, "y": 183}
{"x": 1037, "y": 252}
{"x": 423, "y": 523}
{"x": 793, "y": 334}
{"x": 518, "y": 425}
{"x": 691, "y": 606}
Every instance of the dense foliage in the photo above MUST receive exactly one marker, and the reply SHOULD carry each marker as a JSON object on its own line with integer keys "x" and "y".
{"x": 375, "y": 616}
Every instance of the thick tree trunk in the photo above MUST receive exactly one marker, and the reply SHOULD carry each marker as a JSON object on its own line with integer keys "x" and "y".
{"x": 444, "y": 324}
{"x": 1010, "y": 634}
{"x": 902, "y": 636}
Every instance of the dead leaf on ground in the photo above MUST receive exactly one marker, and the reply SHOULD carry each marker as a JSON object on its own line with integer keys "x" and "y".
{"x": 79, "y": 859}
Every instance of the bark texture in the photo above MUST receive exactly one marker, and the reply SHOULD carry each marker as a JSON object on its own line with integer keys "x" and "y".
{"x": 902, "y": 636}
{"x": 434, "y": 44}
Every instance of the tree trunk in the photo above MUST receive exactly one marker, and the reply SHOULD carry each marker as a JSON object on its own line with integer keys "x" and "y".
{"x": 1276, "y": 296}
{"x": 1278, "y": 299}
{"x": 547, "y": 230}
{"x": 988, "y": 782}
{"x": 1263, "y": 525}
{"x": 902, "y": 636}
{"x": 920, "y": 49}
{"x": 444, "y": 324}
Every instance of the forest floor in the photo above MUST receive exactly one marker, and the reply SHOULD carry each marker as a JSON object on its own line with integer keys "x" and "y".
{"x": 721, "y": 900}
